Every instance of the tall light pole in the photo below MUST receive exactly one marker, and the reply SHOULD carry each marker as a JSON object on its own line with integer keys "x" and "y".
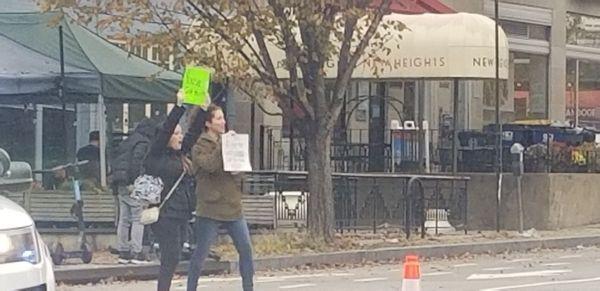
{"x": 498, "y": 147}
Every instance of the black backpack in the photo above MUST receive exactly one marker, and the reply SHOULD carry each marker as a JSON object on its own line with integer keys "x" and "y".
{"x": 128, "y": 162}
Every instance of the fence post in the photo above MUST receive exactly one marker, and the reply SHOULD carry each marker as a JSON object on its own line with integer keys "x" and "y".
{"x": 409, "y": 205}
{"x": 261, "y": 146}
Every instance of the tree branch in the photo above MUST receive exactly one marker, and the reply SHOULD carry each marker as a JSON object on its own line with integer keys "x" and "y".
{"x": 254, "y": 52}
{"x": 265, "y": 76}
{"x": 262, "y": 46}
{"x": 344, "y": 57}
{"x": 292, "y": 53}
{"x": 166, "y": 26}
{"x": 343, "y": 79}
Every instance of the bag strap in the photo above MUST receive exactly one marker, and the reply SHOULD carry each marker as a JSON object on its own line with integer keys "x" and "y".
{"x": 172, "y": 190}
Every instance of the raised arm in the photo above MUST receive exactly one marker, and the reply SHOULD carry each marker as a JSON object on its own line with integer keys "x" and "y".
{"x": 194, "y": 130}
{"x": 165, "y": 132}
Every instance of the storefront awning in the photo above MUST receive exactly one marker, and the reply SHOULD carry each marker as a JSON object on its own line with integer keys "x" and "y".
{"x": 458, "y": 45}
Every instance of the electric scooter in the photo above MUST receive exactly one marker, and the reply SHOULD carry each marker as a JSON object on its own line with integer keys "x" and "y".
{"x": 57, "y": 250}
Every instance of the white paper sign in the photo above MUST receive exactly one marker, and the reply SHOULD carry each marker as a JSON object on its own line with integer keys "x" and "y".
{"x": 236, "y": 153}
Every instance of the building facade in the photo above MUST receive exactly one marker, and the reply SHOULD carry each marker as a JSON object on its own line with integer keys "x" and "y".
{"x": 555, "y": 56}
{"x": 554, "y": 73}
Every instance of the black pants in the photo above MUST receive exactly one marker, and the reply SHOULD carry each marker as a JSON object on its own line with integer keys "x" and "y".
{"x": 170, "y": 238}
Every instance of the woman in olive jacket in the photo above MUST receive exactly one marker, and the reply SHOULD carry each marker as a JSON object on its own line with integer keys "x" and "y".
{"x": 167, "y": 159}
{"x": 219, "y": 202}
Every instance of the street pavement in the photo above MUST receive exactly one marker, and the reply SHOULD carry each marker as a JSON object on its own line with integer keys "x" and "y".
{"x": 574, "y": 269}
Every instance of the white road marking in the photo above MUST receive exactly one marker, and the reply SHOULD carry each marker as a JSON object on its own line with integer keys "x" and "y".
{"x": 313, "y": 276}
{"x": 269, "y": 280}
{"x": 297, "y": 286}
{"x": 570, "y": 257}
{"x": 517, "y": 275}
{"x": 435, "y": 274}
{"x": 211, "y": 280}
{"x": 556, "y": 264}
{"x": 370, "y": 280}
{"x": 185, "y": 288}
{"x": 543, "y": 284}
{"x": 342, "y": 274}
{"x": 464, "y": 265}
{"x": 498, "y": 269}
{"x": 519, "y": 260}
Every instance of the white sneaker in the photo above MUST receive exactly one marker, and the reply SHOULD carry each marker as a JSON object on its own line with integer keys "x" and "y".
{"x": 139, "y": 259}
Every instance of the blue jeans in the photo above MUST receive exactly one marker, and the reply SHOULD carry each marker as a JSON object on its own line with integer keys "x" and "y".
{"x": 206, "y": 233}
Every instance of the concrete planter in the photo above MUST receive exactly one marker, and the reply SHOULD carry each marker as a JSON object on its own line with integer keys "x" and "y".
{"x": 550, "y": 201}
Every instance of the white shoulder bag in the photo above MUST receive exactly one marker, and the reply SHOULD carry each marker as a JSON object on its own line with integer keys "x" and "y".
{"x": 150, "y": 215}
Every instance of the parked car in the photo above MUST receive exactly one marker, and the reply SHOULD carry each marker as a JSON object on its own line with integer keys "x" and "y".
{"x": 25, "y": 262}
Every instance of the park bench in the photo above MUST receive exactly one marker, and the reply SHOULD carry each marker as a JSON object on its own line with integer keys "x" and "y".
{"x": 53, "y": 208}
{"x": 258, "y": 205}
{"x": 259, "y": 211}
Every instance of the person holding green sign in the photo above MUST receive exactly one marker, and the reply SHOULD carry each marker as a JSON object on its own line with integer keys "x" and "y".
{"x": 168, "y": 159}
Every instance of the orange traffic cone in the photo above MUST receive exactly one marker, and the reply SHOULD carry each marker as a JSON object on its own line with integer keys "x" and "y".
{"x": 412, "y": 274}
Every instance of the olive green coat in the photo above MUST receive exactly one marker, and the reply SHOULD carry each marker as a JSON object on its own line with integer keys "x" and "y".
{"x": 218, "y": 193}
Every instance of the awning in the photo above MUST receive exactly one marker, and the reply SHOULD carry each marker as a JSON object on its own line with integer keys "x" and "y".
{"x": 419, "y": 6}
{"x": 459, "y": 45}
{"x": 93, "y": 66}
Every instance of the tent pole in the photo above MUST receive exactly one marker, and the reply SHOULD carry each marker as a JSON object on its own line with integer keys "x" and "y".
{"x": 101, "y": 119}
{"x": 61, "y": 94}
{"x": 39, "y": 135}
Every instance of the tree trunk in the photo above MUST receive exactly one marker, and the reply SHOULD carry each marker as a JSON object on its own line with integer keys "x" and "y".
{"x": 320, "y": 187}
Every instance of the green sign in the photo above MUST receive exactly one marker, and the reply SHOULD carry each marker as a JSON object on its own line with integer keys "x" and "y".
{"x": 196, "y": 81}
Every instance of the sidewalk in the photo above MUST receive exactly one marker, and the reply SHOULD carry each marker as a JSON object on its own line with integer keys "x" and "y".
{"x": 285, "y": 251}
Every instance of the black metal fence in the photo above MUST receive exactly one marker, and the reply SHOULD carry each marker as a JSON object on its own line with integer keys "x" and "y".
{"x": 370, "y": 201}
{"x": 353, "y": 152}
{"x": 411, "y": 152}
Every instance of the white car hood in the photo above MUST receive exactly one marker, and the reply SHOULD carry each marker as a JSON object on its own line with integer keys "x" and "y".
{"x": 12, "y": 215}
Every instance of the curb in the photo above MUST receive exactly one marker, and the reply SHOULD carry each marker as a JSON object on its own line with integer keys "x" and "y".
{"x": 95, "y": 273}
{"x": 83, "y": 274}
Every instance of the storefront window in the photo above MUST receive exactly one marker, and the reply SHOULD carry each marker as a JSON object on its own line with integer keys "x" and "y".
{"x": 583, "y": 30}
{"x": 489, "y": 102}
{"x": 525, "y": 30}
{"x": 530, "y": 85}
{"x": 586, "y": 96}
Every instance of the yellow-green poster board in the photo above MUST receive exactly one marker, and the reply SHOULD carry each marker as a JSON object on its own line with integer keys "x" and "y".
{"x": 196, "y": 82}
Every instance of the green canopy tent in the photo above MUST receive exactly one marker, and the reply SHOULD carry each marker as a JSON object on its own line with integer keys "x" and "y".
{"x": 102, "y": 67}
{"x": 90, "y": 69}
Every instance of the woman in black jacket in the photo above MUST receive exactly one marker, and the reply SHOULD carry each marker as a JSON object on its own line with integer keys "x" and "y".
{"x": 167, "y": 159}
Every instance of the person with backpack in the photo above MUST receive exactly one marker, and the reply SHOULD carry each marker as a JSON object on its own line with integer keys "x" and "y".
{"x": 127, "y": 166}
{"x": 167, "y": 159}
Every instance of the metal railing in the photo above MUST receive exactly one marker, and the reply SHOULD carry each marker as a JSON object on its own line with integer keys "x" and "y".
{"x": 367, "y": 200}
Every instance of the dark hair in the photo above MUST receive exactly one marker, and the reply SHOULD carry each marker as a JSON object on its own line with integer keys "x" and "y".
{"x": 210, "y": 112}
{"x": 94, "y": 136}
